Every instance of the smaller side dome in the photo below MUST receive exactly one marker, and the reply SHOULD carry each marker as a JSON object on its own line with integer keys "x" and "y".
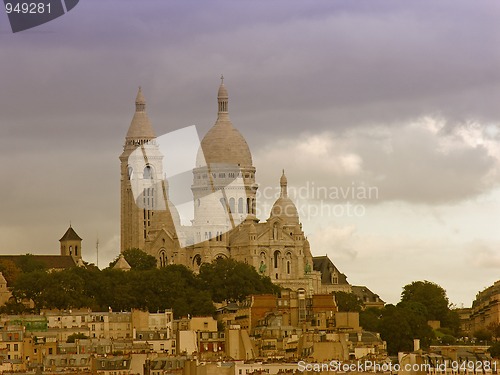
{"x": 284, "y": 207}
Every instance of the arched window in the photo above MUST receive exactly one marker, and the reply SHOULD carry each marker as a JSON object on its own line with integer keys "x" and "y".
{"x": 71, "y": 250}
{"x": 288, "y": 267}
{"x": 163, "y": 258}
{"x": 130, "y": 172}
{"x": 240, "y": 205}
{"x": 276, "y": 258}
{"x": 148, "y": 173}
{"x": 197, "y": 260}
{"x": 231, "y": 205}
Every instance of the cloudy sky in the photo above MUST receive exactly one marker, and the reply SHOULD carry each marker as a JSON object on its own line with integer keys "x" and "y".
{"x": 398, "y": 99}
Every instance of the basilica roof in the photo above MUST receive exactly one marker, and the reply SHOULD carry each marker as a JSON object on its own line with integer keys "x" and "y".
{"x": 224, "y": 144}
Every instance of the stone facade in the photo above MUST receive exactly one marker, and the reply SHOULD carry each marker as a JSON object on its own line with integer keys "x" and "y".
{"x": 224, "y": 227}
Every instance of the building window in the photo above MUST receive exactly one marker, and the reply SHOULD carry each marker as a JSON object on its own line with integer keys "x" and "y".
{"x": 163, "y": 258}
{"x": 231, "y": 205}
{"x": 148, "y": 173}
{"x": 276, "y": 258}
{"x": 197, "y": 260}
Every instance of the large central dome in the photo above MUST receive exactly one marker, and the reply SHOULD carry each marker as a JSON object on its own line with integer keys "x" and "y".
{"x": 224, "y": 144}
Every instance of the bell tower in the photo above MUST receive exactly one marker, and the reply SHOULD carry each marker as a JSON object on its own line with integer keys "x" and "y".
{"x": 141, "y": 178}
{"x": 71, "y": 244}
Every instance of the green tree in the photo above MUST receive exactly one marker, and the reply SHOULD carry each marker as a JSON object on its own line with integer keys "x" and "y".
{"x": 157, "y": 289}
{"x": 229, "y": 280}
{"x": 430, "y": 295}
{"x": 72, "y": 338}
{"x": 29, "y": 286}
{"x": 403, "y": 323}
{"x": 13, "y": 307}
{"x": 348, "y": 302}
{"x": 482, "y": 335}
{"x": 137, "y": 259}
{"x": 369, "y": 319}
{"x": 494, "y": 328}
{"x": 415, "y": 315}
{"x": 395, "y": 330}
{"x": 9, "y": 270}
{"x": 494, "y": 350}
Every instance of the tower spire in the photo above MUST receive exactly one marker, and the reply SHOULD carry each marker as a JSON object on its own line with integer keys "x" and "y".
{"x": 283, "y": 184}
{"x": 140, "y": 130}
{"x": 222, "y": 97}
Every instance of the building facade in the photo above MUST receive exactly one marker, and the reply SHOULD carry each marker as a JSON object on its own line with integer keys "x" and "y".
{"x": 225, "y": 224}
